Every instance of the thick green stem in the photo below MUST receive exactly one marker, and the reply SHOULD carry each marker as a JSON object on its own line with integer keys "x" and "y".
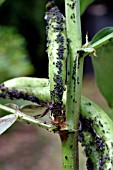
{"x": 96, "y": 122}
{"x": 74, "y": 63}
{"x": 74, "y": 79}
{"x": 67, "y": 150}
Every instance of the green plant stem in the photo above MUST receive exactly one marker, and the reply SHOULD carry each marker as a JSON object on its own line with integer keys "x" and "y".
{"x": 75, "y": 64}
{"x": 92, "y": 47}
{"x": 91, "y": 116}
{"x": 74, "y": 79}
{"x": 24, "y": 117}
{"x": 27, "y": 82}
{"x": 67, "y": 153}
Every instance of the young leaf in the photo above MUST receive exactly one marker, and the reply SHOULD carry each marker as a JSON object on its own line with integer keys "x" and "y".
{"x": 84, "y": 4}
{"x": 101, "y": 34}
{"x": 7, "y": 121}
{"x": 103, "y": 65}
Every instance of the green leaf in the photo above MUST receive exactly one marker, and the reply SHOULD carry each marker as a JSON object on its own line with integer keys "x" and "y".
{"x": 84, "y": 4}
{"x": 103, "y": 65}
{"x": 101, "y": 34}
{"x": 7, "y": 121}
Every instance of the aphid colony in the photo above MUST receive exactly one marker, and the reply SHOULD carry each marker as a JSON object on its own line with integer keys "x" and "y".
{"x": 16, "y": 94}
{"x": 98, "y": 146}
{"x": 57, "y": 53}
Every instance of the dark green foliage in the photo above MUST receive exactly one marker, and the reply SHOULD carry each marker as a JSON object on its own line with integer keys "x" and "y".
{"x": 28, "y": 18}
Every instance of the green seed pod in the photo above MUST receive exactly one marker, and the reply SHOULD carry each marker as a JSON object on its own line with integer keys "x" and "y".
{"x": 57, "y": 52}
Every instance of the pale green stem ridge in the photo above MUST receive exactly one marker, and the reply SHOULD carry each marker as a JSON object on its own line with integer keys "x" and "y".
{"x": 75, "y": 64}
{"x": 74, "y": 78}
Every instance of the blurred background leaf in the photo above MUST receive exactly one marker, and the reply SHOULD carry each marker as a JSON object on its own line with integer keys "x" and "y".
{"x": 14, "y": 59}
{"x": 28, "y": 18}
{"x": 84, "y": 4}
{"x": 1, "y": 1}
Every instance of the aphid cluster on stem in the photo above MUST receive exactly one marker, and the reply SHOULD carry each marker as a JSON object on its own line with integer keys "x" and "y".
{"x": 16, "y": 94}
{"x": 95, "y": 146}
{"x": 57, "y": 53}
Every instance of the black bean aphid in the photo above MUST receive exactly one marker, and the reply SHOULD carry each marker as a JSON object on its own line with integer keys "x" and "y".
{"x": 66, "y": 157}
{"x": 71, "y": 4}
